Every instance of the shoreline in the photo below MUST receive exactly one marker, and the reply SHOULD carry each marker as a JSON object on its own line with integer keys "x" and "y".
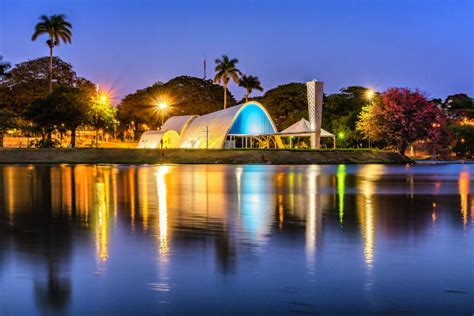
{"x": 197, "y": 156}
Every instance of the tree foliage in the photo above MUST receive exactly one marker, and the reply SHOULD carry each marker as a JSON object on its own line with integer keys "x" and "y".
{"x": 250, "y": 83}
{"x": 460, "y": 101}
{"x": 28, "y": 81}
{"x": 58, "y": 30}
{"x": 402, "y": 116}
{"x": 341, "y": 111}
{"x": 286, "y": 103}
{"x": 226, "y": 70}
{"x": 37, "y": 70}
{"x": 66, "y": 107}
{"x": 7, "y": 121}
{"x": 464, "y": 141}
{"x": 4, "y": 66}
{"x": 185, "y": 95}
{"x": 55, "y": 27}
{"x": 102, "y": 115}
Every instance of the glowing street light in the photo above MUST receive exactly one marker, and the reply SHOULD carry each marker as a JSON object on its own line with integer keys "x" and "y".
{"x": 370, "y": 94}
{"x": 103, "y": 98}
{"x": 162, "y": 106}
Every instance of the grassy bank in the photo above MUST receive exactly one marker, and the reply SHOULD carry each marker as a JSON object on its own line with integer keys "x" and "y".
{"x": 183, "y": 156}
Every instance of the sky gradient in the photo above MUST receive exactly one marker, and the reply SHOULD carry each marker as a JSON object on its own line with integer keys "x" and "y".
{"x": 128, "y": 45}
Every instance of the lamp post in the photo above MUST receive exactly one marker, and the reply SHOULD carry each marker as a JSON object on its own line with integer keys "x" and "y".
{"x": 163, "y": 106}
{"x": 370, "y": 96}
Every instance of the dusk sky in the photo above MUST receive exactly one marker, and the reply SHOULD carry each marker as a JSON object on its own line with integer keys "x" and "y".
{"x": 128, "y": 45}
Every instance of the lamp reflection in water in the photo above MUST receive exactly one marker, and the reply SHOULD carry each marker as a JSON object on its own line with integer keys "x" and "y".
{"x": 102, "y": 233}
{"x": 143, "y": 190}
{"x": 312, "y": 218}
{"x": 279, "y": 186}
{"x": 369, "y": 175}
{"x": 10, "y": 188}
{"x": 464, "y": 182}
{"x": 162, "y": 234}
{"x": 341, "y": 176}
{"x": 162, "y": 210}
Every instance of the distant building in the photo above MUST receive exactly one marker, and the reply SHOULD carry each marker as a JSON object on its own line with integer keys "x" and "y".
{"x": 246, "y": 125}
{"x": 240, "y": 126}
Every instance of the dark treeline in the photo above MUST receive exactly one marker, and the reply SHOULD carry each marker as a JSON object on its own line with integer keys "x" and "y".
{"x": 27, "y": 105}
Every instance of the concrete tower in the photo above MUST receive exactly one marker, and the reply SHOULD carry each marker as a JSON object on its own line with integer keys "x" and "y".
{"x": 314, "y": 91}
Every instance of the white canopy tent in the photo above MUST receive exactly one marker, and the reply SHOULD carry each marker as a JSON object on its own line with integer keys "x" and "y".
{"x": 302, "y": 129}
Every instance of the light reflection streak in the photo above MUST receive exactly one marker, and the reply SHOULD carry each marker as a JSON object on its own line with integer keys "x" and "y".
{"x": 256, "y": 204}
{"x": 102, "y": 233}
{"x": 162, "y": 210}
{"x": 369, "y": 174}
{"x": 464, "y": 183}
{"x": 312, "y": 216}
{"x": 238, "y": 176}
{"x": 341, "y": 176}
{"x": 9, "y": 187}
{"x": 131, "y": 181}
{"x": 114, "y": 193}
{"x": 143, "y": 189}
{"x": 472, "y": 210}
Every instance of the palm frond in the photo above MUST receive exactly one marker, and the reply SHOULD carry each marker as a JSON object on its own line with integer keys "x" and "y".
{"x": 56, "y": 27}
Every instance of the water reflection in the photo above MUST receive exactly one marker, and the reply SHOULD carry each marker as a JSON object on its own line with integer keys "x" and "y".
{"x": 236, "y": 221}
{"x": 162, "y": 210}
{"x": 368, "y": 176}
{"x": 313, "y": 219}
{"x": 464, "y": 181}
{"x": 341, "y": 176}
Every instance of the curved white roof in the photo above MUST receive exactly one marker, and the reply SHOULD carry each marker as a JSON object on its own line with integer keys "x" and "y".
{"x": 217, "y": 124}
{"x": 153, "y": 139}
{"x": 303, "y": 127}
{"x": 178, "y": 123}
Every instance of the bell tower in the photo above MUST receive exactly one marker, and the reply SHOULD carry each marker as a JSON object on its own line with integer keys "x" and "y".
{"x": 314, "y": 92}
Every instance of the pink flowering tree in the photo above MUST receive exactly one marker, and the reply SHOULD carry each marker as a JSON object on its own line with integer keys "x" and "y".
{"x": 401, "y": 116}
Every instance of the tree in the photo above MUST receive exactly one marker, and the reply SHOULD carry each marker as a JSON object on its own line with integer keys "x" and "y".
{"x": 464, "y": 140}
{"x": 57, "y": 29}
{"x": 226, "y": 70}
{"x": 66, "y": 106}
{"x": 46, "y": 114}
{"x": 4, "y": 66}
{"x": 7, "y": 121}
{"x": 75, "y": 106}
{"x": 340, "y": 112}
{"x": 28, "y": 81}
{"x": 249, "y": 83}
{"x": 460, "y": 101}
{"x": 102, "y": 115}
{"x": 286, "y": 103}
{"x": 400, "y": 117}
{"x": 182, "y": 94}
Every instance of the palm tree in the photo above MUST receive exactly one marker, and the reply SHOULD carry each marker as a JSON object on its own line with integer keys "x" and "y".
{"x": 225, "y": 70}
{"x": 249, "y": 83}
{"x": 57, "y": 29}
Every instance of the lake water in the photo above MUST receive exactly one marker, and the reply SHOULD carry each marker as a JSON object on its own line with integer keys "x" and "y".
{"x": 255, "y": 239}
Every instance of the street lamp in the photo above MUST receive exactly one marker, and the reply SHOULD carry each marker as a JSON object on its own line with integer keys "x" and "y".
{"x": 163, "y": 106}
{"x": 370, "y": 95}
